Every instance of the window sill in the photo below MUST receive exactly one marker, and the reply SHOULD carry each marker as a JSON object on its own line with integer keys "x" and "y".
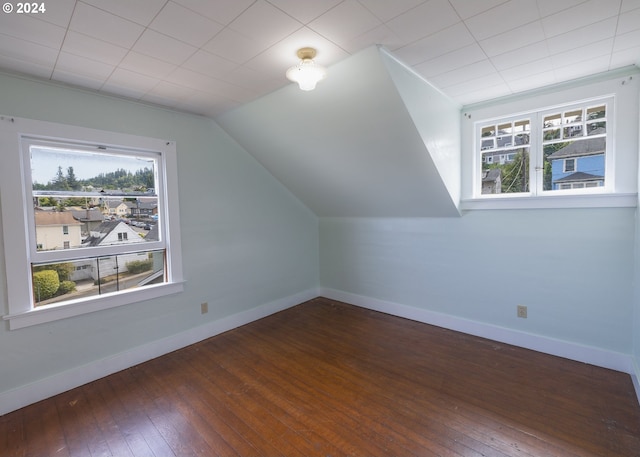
{"x": 78, "y": 307}
{"x": 628, "y": 200}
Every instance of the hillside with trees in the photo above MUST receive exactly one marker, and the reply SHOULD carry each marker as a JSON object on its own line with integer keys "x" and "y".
{"x": 120, "y": 179}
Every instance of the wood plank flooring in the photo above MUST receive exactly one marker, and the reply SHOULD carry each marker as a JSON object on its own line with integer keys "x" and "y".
{"x": 329, "y": 379}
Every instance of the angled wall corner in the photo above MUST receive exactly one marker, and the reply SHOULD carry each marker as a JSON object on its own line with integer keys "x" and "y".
{"x": 351, "y": 147}
{"x": 436, "y": 117}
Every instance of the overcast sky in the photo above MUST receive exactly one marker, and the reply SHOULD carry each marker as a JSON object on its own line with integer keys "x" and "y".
{"x": 45, "y": 162}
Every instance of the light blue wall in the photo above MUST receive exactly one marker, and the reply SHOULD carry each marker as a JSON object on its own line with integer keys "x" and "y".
{"x": 246, "y": 240}
{"x": 573, "y": 269}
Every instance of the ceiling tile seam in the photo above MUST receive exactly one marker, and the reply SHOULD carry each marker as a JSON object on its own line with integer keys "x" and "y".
{"x": 543, "y": 16}
{"x": 539, "y": 19}
{"x": 121, "y": 17}
{"x": 464, "y": 22}
{"x": 165, "y": 79}
{"x": 66, "y": 32}
{"x": 411, "y": 43}
{"x": 546, "y": 38}
{"x": 295, "y": 18}
{"x": 115, "y": 67}
{"x": 615, "y": 35}
{"x": 479, "y": 13}
{"x": 224, "y": 27}
{"x": 384, "y": 22}
{"x": 178, "y": 66}
{"x": 62, "y": 49}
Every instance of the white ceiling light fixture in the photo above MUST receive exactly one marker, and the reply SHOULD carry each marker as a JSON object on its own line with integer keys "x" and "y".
{"x": 307, "y": 73}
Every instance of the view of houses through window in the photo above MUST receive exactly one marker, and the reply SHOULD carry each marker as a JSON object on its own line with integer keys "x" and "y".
{"x": 558, "y": 149}
{"x": 95, "y": 222}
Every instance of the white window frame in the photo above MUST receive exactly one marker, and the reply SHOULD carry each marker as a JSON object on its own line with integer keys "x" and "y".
{"x": 615, "y": 193}
{"x": 573, "y": 162}
{"x": 536, "y": 158}
{"x": 16, "y": 217}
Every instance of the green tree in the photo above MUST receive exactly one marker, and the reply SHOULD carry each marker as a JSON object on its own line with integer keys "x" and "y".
{"x": 59, "y": 181}
{"x": 47, "y": 201}
{"x": 75, "y": 201}
{"x": 72, "y": 181}
{"x": 515, "y": 175}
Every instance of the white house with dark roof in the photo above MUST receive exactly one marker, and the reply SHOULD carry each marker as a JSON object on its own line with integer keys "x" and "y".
{"x": 57, "y": 230}
{"x": 113, "y": 233}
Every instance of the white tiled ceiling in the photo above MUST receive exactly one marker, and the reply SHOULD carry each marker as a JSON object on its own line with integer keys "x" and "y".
{"x": 209, "y": 56}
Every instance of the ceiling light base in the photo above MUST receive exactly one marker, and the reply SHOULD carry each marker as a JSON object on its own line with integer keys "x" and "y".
{"x": 307, "y": 73}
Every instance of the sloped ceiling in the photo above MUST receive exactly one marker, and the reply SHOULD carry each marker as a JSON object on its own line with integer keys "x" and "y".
{"x": 373, "y": 140}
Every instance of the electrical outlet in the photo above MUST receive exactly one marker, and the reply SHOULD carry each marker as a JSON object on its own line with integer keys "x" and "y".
{"x": 522, "y": 311}
{"x": 204, "y": 308}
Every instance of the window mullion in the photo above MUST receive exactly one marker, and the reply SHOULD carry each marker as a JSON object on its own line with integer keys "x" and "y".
{"x": 536, "y": 155}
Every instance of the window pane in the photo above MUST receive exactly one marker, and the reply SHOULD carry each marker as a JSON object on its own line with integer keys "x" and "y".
{"x": 95, "y": 199}
{"x": 504, "y": 141}
{"x": 74, "y": 279}
{"x": 552, "y": 120}
{"x": 597, "y": 112}
{"x": 487, "y": 144}
{"x": 488, "y": 131}
{"x": 574, "y": 164}
{"x": 522, "y": 126}
{"x": 597, "y": 128}
{"x": 573, "y": 116}
{"x": 552, "y": 134}
{"x": 572, "y": 132}
{"x": 509, "y": 174}
{"x": 504, "y": 129}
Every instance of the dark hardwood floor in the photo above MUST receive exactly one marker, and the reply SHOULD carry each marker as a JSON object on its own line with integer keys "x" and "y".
{"x": 328, "y": 379}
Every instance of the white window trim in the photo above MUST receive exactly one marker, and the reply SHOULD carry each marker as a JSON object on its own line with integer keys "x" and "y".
{"x": 574, "y": 161}
{"x": 602, "y": 197}
{"x": 585, "y": 200}
{"x": 15, "y": 216}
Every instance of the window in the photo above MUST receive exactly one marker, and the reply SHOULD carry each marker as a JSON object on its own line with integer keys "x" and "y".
{"x": 505, "y": 156}
{"x": 569, "y": 165}
{"x": 553, "y": 151}
{"x": 85, "y": 181}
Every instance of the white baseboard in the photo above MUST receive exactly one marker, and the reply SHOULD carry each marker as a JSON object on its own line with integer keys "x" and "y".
{"x": 75, "y": 377}
{"x": 635, "y": 377}
{"x": 573, "y": 351}
{"x": 44, "y": 388}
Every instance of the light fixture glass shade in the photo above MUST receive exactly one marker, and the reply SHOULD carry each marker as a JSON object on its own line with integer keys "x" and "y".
{"x": 306, "y": 73}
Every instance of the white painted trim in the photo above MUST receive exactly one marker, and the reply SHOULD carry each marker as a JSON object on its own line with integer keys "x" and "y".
{"x": 44, "y": 388}
{"x": 587, "y": 200}
{"x": 635, "y": 377}
{"x": 636, "y": 386}
{"x": 573, "y": 351}
{"x": 86, "y": 305}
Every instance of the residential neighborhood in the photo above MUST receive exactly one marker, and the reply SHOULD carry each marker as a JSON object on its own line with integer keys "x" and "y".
{"x": 113, "y": 222}
{"x": 579, "y": 164}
